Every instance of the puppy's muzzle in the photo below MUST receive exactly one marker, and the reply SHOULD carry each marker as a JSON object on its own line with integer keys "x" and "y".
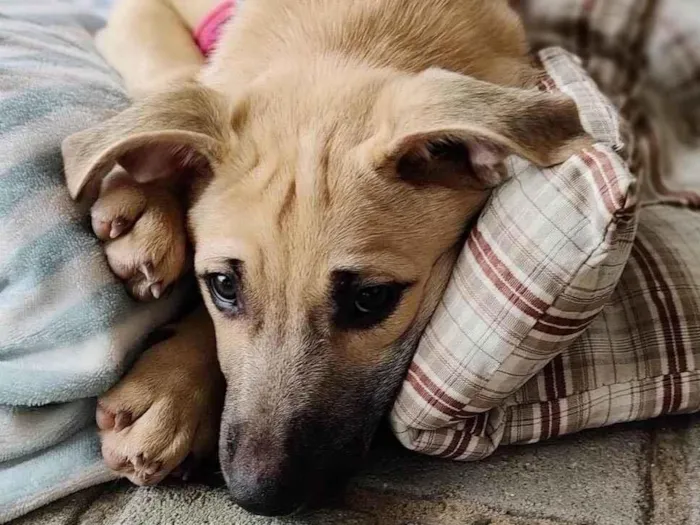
{"x": 277, "y": 475}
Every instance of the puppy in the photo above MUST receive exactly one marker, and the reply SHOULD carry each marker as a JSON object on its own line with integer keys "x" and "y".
{"x": 324, "y": 165}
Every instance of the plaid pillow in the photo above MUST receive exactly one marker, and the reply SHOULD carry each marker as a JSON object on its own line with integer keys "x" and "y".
{"x": 639, "y": 357}
{"x": 539, "y": 266}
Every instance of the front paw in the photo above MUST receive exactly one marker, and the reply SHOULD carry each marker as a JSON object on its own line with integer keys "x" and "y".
{"x": 164, "y": 411}
{"x": 143, "y": 226}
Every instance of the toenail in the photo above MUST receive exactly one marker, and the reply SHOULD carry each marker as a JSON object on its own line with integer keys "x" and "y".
{"x": 156, "y": 290}
{"x": 118, "y": 227}
{"x": 147, "y": 271}
{"x": 105, "y": 419}
{"x": 121, "y": 421}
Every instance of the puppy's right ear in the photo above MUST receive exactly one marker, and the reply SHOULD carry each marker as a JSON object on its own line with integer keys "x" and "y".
{"x": 442, "y": 128}
{"x": 160, "y": 136}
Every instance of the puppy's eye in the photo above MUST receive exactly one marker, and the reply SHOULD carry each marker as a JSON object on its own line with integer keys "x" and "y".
{"x": 223, "y": 288}
{"x": 360, "y": 307}
{"x": 372, "y": 299}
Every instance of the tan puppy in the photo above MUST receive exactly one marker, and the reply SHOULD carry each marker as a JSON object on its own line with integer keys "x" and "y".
{"x": 331, "y": 154}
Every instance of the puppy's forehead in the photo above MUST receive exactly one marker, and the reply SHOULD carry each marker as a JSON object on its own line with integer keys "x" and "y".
{"x": 315, "y": 202}
{"x": 300, "y": 186}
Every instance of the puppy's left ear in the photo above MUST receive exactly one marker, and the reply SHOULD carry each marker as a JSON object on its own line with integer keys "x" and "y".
{"x": 452, "y": 130}
{"x": 184, "y": 130}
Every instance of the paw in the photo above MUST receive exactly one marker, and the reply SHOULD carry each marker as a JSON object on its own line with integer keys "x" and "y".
{"x": 143, "y": 226}
{"x": 164, "y": 411}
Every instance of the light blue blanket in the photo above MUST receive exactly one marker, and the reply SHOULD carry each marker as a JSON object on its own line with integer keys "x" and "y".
{"x": 67, "y": 327}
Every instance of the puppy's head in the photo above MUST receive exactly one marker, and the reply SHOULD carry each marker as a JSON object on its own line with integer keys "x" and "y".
{"x": 325, "y": 227}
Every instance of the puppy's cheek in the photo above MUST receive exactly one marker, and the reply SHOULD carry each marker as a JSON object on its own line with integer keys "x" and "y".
{"x": 226, "y": 436}
{"x": 231, "y": 341}
{"x": 230, "y": 372}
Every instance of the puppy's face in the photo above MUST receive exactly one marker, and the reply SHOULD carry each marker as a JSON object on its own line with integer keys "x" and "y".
{"x": 325, "y": 224}
{"x": 314, "y": 258}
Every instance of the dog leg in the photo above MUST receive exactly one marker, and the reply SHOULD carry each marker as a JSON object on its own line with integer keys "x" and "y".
{"x": 167, "y": 408}
{"x": 150, "y": 44}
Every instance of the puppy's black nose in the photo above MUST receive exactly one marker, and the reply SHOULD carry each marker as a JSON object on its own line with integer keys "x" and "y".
{"x": 264, "y": 496}
{"x": 260, "y": 476}
{"x": 275, "y": 473}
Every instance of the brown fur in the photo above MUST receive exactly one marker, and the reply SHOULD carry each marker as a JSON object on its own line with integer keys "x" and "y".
{"x": 324, "y": 137}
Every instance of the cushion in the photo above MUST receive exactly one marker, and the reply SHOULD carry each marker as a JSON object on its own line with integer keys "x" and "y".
{"x": 637, "y": 359}
{"x": 539, "y": 266}
{"x": 68, "y": 329}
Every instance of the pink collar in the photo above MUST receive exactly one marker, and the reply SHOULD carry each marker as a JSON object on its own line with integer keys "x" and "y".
{"x": 207, "y": 33}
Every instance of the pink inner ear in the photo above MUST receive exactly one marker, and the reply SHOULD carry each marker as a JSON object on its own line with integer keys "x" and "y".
{"x": 158, "y": 161}
{"x": 485, "y": 154}
{"x": 451, "y": 160}
{"x": 487, "y": 160}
